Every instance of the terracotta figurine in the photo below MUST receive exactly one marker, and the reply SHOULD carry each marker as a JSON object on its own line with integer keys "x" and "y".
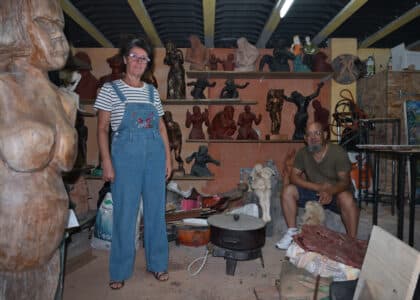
{"x": 301, "y": 116}
{"x": 176, "y": 76}
{"x": 246, "y": 55}
{"x": 199, "y": 86}
{"x": 197, "y": 55}
{"x": 229, "y": 63}
{"x": 223, "y": 126}
{"x": 38, "y": 142}
{"x": 197, "y": 119}
{"x": 230, "y": 90}
{"x": 274, "y": 106}
{"x": 245, "y": 120}
{"x": 213, "y": 61}
{"x": 201, "y": 159}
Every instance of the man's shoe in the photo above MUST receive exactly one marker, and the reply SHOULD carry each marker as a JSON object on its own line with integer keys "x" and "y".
{"x": 287, "y": 239}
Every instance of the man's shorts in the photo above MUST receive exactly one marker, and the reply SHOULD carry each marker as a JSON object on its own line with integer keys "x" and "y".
{"x": 309, "y": 195}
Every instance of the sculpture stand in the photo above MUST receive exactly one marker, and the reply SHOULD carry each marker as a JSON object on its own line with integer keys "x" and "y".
{"x": 276, "y": 137}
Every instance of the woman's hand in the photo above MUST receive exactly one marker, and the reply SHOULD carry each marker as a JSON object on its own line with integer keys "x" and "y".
{"x": 108, "y": 171}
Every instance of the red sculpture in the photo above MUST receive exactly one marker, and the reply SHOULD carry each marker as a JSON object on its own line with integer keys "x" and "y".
{"x": 223, "y": 126}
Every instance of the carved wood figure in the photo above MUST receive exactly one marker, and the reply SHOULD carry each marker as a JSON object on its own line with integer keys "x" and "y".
{"x": 196, "y": 119}
{"x": 245, "y": 121}
{"x": 197, "y": 55}
{"x": 213, "y": 61}
{"x": 223, "y": 125}
{"x": 37, "y": 142}
{"x": 301, "y": 116}
{"x": 176, "y": 75}
{"x": 228, "y": 63}
{"x": 274, "y": 106}
{"x": 175, "y": 140}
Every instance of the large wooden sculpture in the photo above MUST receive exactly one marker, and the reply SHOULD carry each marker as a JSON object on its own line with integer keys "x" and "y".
{"x": 37, "y": 142}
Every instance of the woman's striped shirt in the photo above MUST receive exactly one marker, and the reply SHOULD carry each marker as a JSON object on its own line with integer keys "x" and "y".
{"x": 108, "y": 100}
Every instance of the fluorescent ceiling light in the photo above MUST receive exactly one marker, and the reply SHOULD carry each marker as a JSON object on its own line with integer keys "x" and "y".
{"x": 285, "y": 8}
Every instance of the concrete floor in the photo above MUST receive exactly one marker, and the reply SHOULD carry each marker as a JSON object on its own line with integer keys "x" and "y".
{"x": 86, "y": 274}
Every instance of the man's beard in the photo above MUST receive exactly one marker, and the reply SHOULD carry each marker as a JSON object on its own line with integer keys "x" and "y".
{"x": 314, "y": 148}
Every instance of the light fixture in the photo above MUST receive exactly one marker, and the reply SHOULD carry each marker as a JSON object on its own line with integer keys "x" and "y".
{"x": 285, "y": 8}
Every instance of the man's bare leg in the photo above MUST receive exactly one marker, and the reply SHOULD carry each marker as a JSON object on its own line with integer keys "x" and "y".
{"x": 349, "y": 212}
{"x": 289, "y": 200}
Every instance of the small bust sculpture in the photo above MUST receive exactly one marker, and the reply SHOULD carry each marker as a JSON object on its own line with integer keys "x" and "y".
{"x": 230, "y": 90}
{"x": 117, "y": 66}
{"x": 176, "y": 75}
{"x": 196, "y": 119}
{"x": 281, "y": 60}
{"x": 197, "y": 55}
{"x": 245, "y": 120}
{"x": 246, "y": 55}
{"x": 88, "y": 85}
{"x": 199, "y": 86}
{"x": 223, "y": 126}
{"x": 202, "y": 158}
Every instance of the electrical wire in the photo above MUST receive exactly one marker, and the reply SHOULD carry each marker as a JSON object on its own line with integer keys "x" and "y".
{"x": 204, "y": 258}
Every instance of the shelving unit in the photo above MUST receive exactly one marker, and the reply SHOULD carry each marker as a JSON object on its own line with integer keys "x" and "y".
{"x": 229, "y": 101}
{"x": 245, "y": 141}
{"x": 257, "y": 75}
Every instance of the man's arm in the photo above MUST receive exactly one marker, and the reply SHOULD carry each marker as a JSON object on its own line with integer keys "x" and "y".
{"x": 328, "y": 190}
{"x": 297, "y": 177}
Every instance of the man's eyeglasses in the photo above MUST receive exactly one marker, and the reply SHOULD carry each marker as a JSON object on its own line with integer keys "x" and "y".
{"x": 139, "y": 59}
{"x": 317, "y": 133}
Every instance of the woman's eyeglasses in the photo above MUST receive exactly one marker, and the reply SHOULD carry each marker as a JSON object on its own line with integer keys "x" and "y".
{"x": 139, "y": 59}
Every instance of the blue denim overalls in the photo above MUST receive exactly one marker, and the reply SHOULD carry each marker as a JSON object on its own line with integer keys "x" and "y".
{"x": 138, "y": 158}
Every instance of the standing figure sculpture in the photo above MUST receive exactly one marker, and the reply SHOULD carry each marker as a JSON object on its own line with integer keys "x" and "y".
{"x": 38, "y": 142}
{"x": 228, "y": 63}
{"x": 223, "y": 125}
{"x": 213, "y": 61}
{"x": 246, "y": 55}
{"x": 301, "y": 116}
{"x": 199, "y": 86}
{"x": 196, "y": 119}
{"x": 197, "y": 55}
{"x": 201, "y": 159}
{"x": 175, "y": 140}
{"x": 230, "y": 90}
{"x": 245, "y": 120}
{"x": 274, "y": 106}
{"x": 176, "y": 76}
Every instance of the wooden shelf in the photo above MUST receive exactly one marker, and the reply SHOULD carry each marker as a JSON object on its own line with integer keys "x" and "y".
{"x": 87, "y": 101}
{"x": 282, "y": 141}
{"x": 233, "y": 101}
{"x": 258, "y": 75}
{"x": 190, "y": 177}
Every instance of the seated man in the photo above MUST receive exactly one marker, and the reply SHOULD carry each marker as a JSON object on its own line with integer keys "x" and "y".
{"x": 321, "y": 172}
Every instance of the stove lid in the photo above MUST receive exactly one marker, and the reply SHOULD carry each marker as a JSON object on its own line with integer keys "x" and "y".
{"x": 236, "y": 222}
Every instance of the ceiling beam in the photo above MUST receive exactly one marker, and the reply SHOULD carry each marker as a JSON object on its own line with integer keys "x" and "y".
{"x": 271, "y": 25}
{"x": 209, "y": 16}
{"x": 143, "y": 16}
{"x": 394, "y": 25}
{"x": 339, "y": 19}
{"x": 414, "y": 46}
{"x": 83, "y": 22}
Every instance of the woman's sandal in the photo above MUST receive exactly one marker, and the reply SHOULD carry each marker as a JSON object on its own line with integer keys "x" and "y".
{"x": 116, "y": 285}
{"x": 161, "y": 276}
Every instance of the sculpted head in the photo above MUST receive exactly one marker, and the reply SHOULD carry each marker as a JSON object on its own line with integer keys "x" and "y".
{"x": 33, "y": 29}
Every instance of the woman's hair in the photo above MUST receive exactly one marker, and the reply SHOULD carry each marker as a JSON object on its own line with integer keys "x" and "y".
{"x": 139, "y": 43}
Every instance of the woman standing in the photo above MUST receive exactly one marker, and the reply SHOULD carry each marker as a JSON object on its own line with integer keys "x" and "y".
{"x": 137, "y": 164}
